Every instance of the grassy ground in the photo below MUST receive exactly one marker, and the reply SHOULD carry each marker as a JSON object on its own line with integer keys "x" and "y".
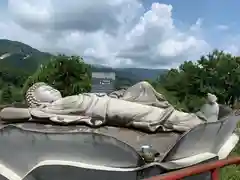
{"x": 232, "y": 172}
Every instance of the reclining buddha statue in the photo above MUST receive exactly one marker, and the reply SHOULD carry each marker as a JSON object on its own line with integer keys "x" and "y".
{"x": 139, "y": 107}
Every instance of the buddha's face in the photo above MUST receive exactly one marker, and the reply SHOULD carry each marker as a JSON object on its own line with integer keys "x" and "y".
{"x": 47, "y": 94}
{"x": 211, "y": 98}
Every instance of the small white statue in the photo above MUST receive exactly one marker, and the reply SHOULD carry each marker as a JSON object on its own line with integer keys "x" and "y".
{"x": 211, "y": 109}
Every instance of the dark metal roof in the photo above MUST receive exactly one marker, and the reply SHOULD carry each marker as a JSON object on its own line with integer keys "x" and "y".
{"x": 77, "y": 143}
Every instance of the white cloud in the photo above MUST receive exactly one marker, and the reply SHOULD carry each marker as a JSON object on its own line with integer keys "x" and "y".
{"x": 197, "y": 26}
{"x": 233, "y": 49}
{"x": 13, "y": 31}
{"x": 223, "y": 27}
{"x": 113, "y": 32}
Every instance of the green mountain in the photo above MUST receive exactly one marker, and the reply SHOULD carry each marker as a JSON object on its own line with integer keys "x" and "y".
{"x": 20, "y": 57}
{"x": 17, "y": 58}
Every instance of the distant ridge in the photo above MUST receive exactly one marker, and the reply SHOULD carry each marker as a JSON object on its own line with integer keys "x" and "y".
{"x": 19, "y": 56}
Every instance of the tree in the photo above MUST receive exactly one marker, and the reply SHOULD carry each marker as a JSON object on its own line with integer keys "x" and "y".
{"x": 6, "y": 95}
{"x": 70, "y": 75}
{"x": 217, "y": 73}
{"x": 17, "y": 95}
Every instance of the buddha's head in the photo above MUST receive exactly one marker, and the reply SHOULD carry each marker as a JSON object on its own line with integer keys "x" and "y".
{"x": 41, "y": 93}
{"x": 211, "y": 98}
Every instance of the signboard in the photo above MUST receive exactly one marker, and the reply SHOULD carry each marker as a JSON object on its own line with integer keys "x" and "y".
{"x": 103, "y": 82}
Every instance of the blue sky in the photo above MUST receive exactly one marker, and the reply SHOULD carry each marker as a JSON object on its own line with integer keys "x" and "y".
{"x": 92, "y": 28}
{"x": 213, "y": 12}
{"x": 3, "y": 4}
{"x": 3, "y": 8}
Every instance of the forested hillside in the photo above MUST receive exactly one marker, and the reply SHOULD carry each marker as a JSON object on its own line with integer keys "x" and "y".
{"x": 18, "y": 56}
